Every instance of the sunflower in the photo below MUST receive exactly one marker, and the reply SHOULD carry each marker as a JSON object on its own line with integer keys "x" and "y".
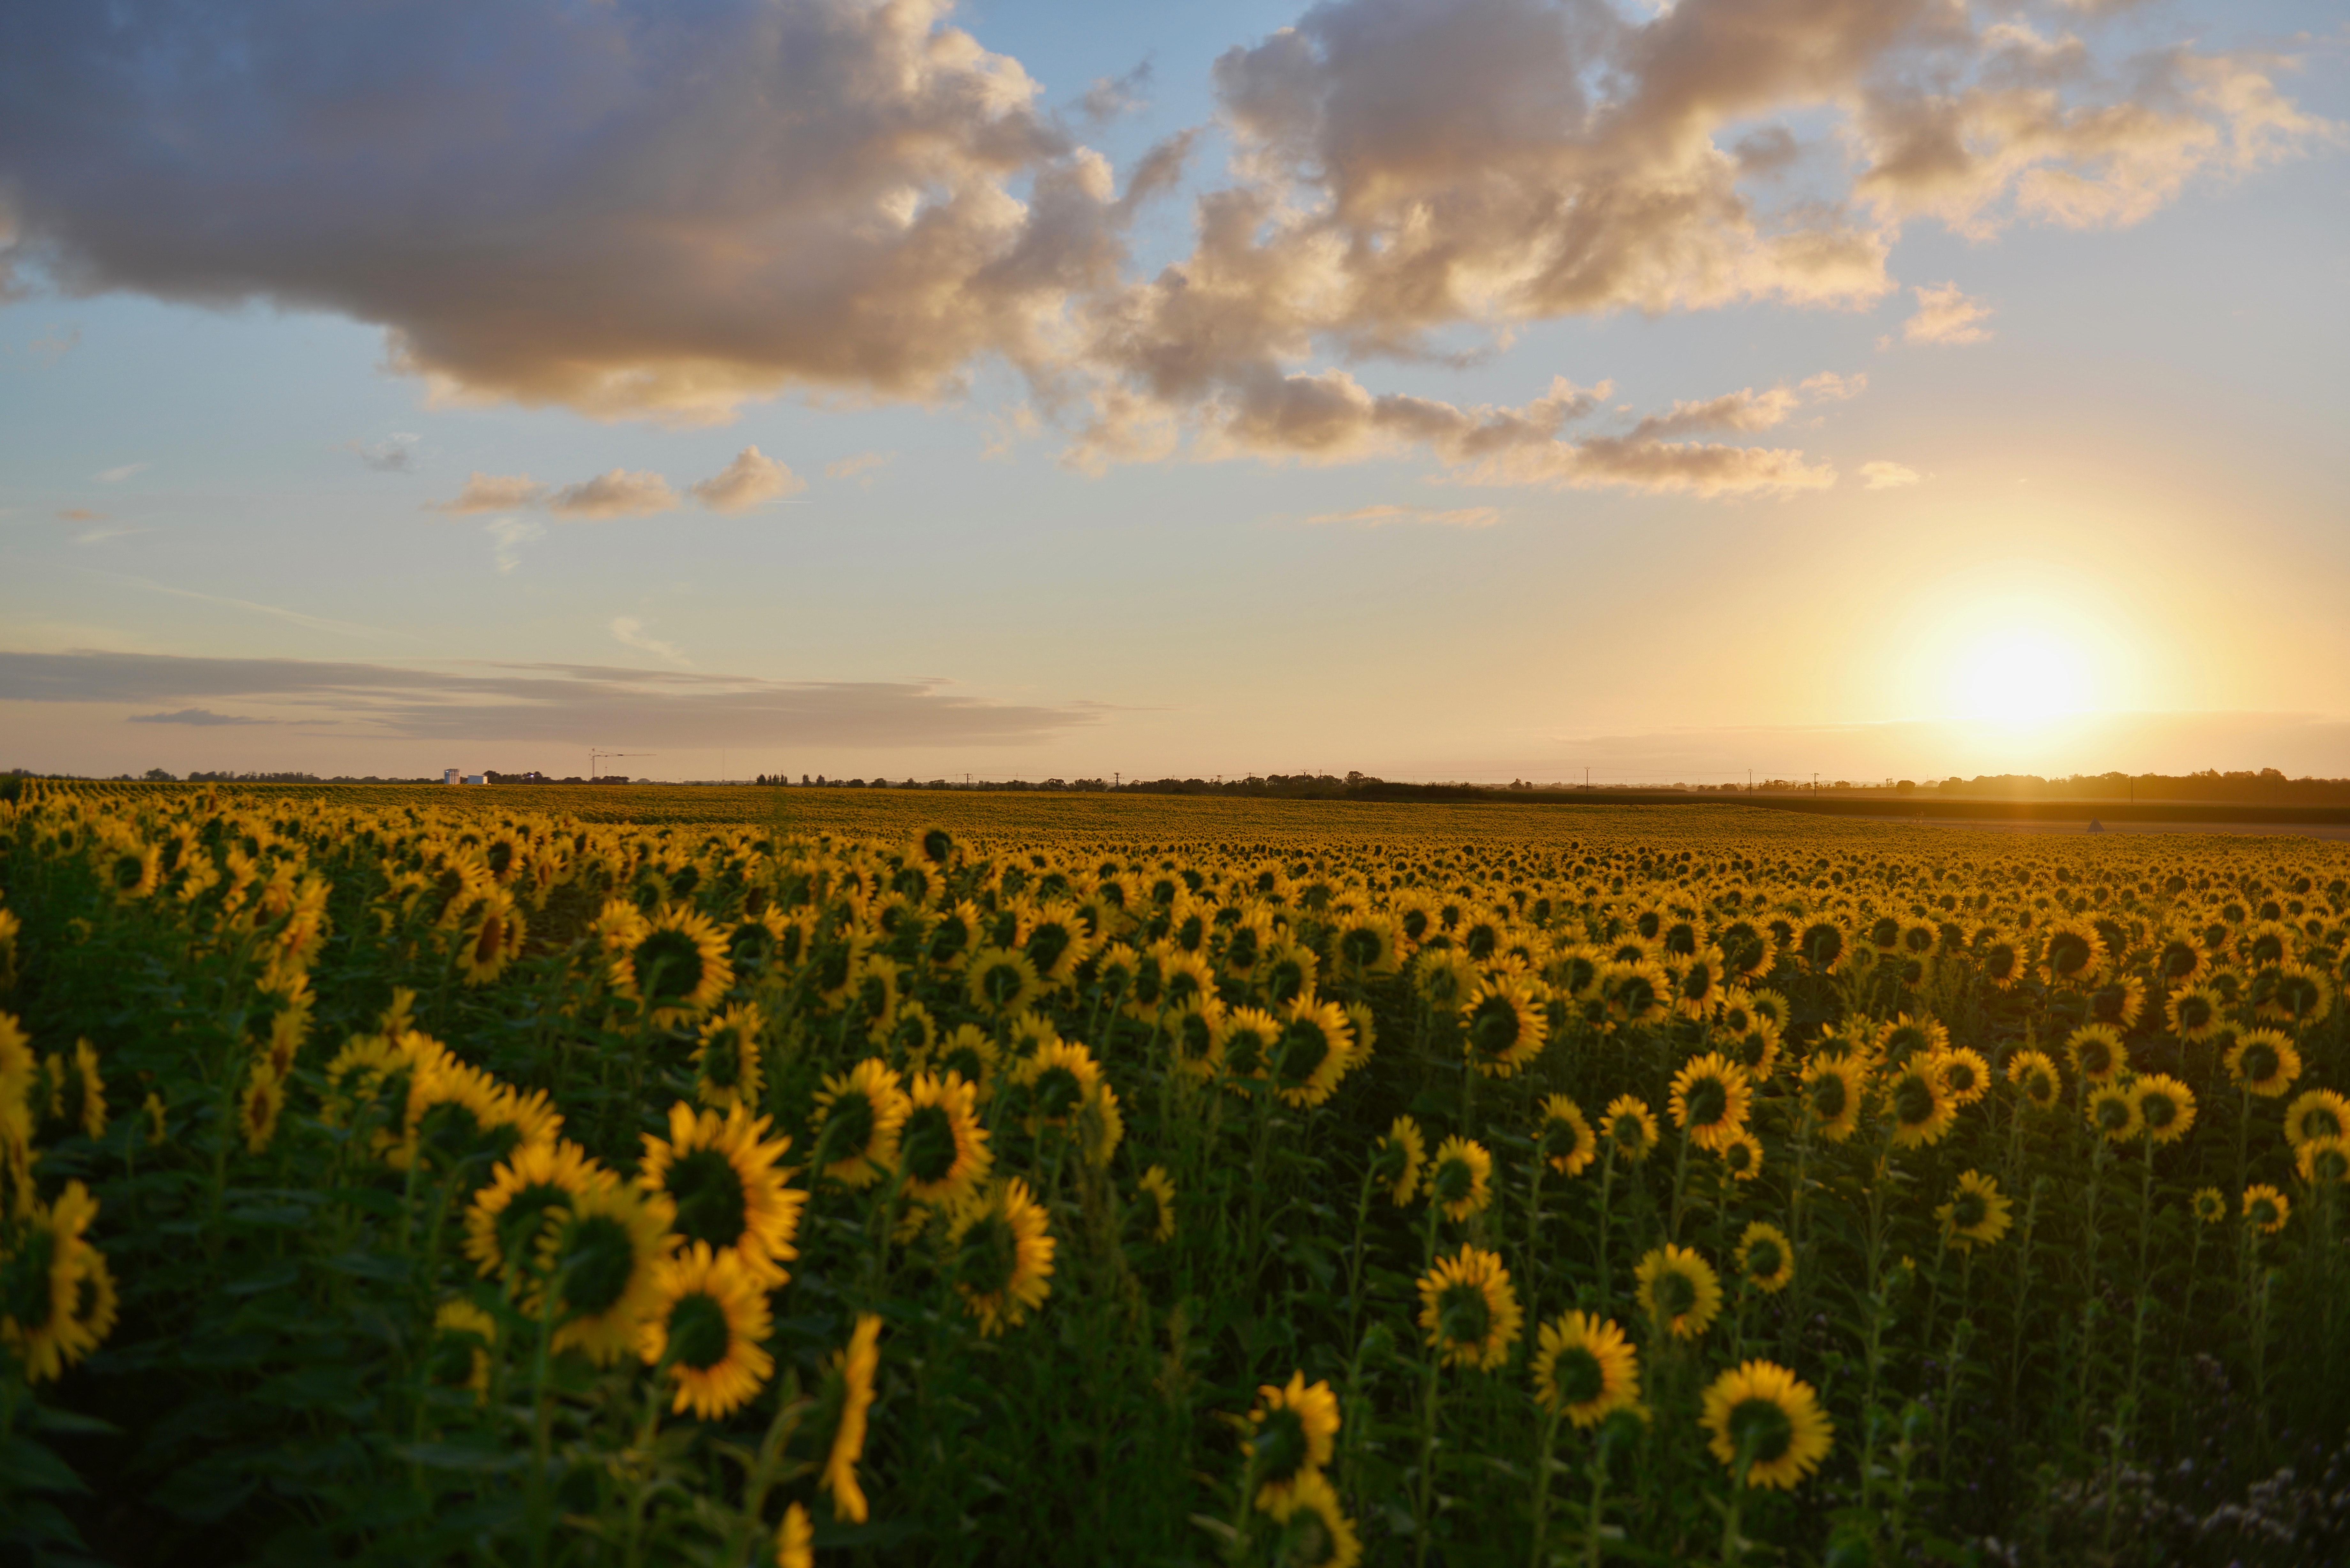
{"x": 1367, "y": 946}
{"x": 1187, "y": 980}
{"x": 1469, "y": 1310}
{"x": 80, "y": 1098}
{"x": 721, "y": 1175}
{"x": 2097, "y": 1053}
{"x": 2118, "y": 1000}
{"x": 1062, "y": 1078}
{"x": 2292, "y": 993}
{"x": 2195, "y": 1014}
{"x": 1699, "y": 983}
{"x": 1742, "y": 1157}
{"x": 2208, "y": 1206}
{"x": 942, "y": 1150}
{"x": 857, "y": 1115}
{"x": 1247, "y": 1039}
{"x": 2036, "y": 1077}
{"x": 1055, "y": 939}
{"x": 534, "y": 1184}
{"x": 2265, "y": 1209}
{"x": 1460, "y": 1179}
{"x": 709, "y": 1317}
{"x": 2325, "y": 1161}
{"x": 1563, "y": 1138}
{"x": 1629, "y": 1128}
{"x": 490, "y": 938}
{"x": 1835, "y": 1089}
{"x": 1965, "y": 1075}
{"x": 1824, "y": 945}
{"x": 1000, "y": 980}
{"x": 1977, "y": 1213}
{"x": 1003, "y": 1255}
{"x": 2316, "y": 1113}
{"x": 2113, "y": 1111}
{"x": 676, "y": 966}
{"x": 1446, "y": 977}
{"x": 1196, "y": 1032}
{"x": 2264, "y": 1063}
{"x": 1315, "y": 1532}
{"x": 727, "y": 1059}
{"x": 1710, "y": 1100}
{"x": 1397, "y": 1160}
{"x": 1755, "y": 1046}
{"x": 1157, "y": 1186}
{"x": 1906, "y": 1037}
{"x": 259, "y": 1107}
{"x": 1584, "y": 1369}
{"x": 2179, "y": 959}
{"x": 1286, "y": 974}
{"x": 795, "y": 1539}
{"x": 17, "y": 1069}
{"x": 967, "y": 1050}
{"x": 1679, "y": 1290}
{"x": 1767, "y": 1425}
{"x": 2164, "y": 1107}
{"x": 2071, "y": 952}
{"x": 1504, "y": 1026}
{"x": 601, "y": 1256}
{"x": 849, "y": 1375}
{"x": 1313, "y": 1052}
{"x": 1293, "y": 1433}
{"x": 40, "y": 1283}
{"x": 1638, "y": 992}
{"x": 459, "y": 1356}
{"x": 1766, "y": 1259}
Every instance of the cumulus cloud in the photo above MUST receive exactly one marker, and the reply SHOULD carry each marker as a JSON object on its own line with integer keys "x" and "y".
{"x": 621, "y": 492}
{"x": 571, "y": 704}
{"x": 1827, "y": 387}
{"x": 639, "y": 210}
{"x": 1883, "y": 475}
{"x": 753, "y": 479}
{"x": 492, "y": 492}
{"x": 1945, "y": 315}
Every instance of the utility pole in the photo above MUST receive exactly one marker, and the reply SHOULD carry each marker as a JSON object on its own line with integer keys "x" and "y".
{"x": 1815, "y": 786}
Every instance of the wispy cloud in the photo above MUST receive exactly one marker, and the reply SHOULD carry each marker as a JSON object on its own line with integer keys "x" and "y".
{"x": 395, "y": 453}
{"x": 863, "y": 463}
{"x": 565, "y": 704}
{"x": 1883, "y": 475}
{"x": 1380, "y": 516}
{"x": 116, "y": 475}
{"x": 54, "y": 344}
{"x": 278, "y": 612}
{"x": 632, "y": 631}
{"x": 80, "y": 514}
{"x": 512, "y": 533}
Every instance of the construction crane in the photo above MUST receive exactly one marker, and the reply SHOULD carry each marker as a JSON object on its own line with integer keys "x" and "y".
{"x": 595, "y": 756}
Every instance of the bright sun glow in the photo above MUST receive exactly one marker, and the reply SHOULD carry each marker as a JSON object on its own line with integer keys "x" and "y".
{"x": 2021, "y": 674}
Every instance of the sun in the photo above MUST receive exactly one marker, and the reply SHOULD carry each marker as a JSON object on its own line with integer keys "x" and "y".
{"x": 2020, "y": 673}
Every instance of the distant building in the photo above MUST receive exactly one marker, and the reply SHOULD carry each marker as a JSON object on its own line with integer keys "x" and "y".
{"x": 473, "y": 778}
{"x": 449, "y": 775}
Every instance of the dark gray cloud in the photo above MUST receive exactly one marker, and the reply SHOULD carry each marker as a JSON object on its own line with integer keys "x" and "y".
{"x": 634, "y": 208}
{"x": 568, "y": 704}
{"x": 200, "y": 716}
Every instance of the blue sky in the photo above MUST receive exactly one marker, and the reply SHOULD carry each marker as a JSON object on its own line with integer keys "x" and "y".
{"x": 1881, "y": 389}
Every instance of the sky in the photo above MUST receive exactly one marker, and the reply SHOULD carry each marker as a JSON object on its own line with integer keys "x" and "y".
{"x": 1436, "y": 388}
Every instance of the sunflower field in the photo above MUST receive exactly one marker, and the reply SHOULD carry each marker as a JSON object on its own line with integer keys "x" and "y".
{"x": 403, "y": 1176}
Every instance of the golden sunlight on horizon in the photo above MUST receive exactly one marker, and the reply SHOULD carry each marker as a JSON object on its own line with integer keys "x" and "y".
{"x": 2022, "y": 674}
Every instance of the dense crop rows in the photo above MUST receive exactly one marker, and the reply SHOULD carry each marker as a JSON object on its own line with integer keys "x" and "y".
{"x": 402, "y": 1178}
